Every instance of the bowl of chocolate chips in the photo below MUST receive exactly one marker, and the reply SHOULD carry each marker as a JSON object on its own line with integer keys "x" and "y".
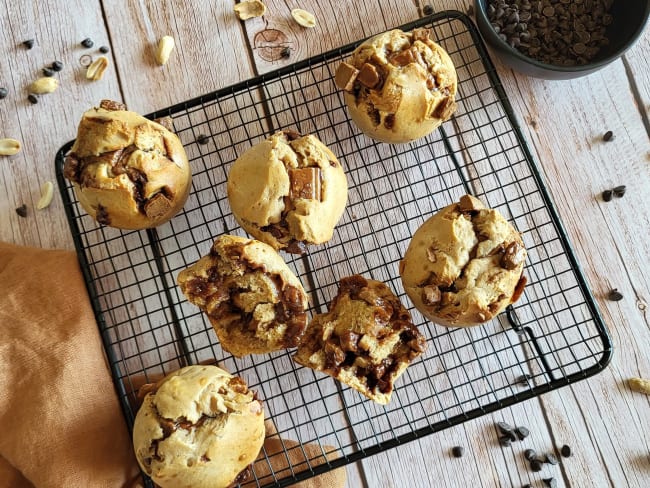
{"x": 560, "y": 39}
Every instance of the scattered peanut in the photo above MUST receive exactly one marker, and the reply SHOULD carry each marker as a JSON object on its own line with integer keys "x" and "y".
{"x": 45, "y": 84}
{"x": 165, "y": 48}
{"x": 247, "y": 9}
{"x": 9, "y": 147}
{"x": 640, "y": 385}
{"x": 96, "y": 69}
{"x": 304, "y": 18}
{"x": 47, "y": 192}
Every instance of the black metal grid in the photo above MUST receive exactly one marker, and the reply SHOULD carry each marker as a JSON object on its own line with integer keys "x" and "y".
{"x": 554, "y": 334}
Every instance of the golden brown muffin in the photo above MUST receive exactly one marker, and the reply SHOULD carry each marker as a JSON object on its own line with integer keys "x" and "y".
{"x": 464, "y": 265}
{"x": 365, "y": 340}
{"x": 288, "y": 191}
{"x": 128, "y": 172}
{"x": 399, "y": 86}
{"x": 253, "y": 300}
{"x": 199, "y": 428}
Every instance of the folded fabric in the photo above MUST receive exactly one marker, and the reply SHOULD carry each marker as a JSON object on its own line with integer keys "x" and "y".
{"x": 62, "y": 422}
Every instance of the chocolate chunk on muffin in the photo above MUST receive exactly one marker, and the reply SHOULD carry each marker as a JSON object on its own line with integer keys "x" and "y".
{"x": 399, "y": 86}
{"x": 198, "y": 427}
{"x": 288, "y": 191}
{"x": 365, "y": 340}
{"x": 253, "y": 300}
{"x": 128, "y": 172}
{"x": 464, "y": 265}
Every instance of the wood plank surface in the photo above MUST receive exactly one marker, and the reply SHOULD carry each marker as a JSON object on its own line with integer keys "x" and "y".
{"x": 562, "y": 122}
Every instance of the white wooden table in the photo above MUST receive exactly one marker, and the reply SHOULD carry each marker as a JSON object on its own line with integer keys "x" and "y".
{"x": 563, "y": 122}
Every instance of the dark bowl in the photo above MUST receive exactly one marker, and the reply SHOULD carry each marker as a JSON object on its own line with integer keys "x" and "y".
{"x": 629, "y": 20}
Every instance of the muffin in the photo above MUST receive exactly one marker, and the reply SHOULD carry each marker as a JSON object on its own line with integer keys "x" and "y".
{"x": 399, "y": 86}
{"x": 365, "y": 340}
{"x": 128, "y": 172}
{"x": 288, "y": 191}
{"x": 253, "y": 300}
{"x": 200, "y": 427}
{"x": 464, "y": 265}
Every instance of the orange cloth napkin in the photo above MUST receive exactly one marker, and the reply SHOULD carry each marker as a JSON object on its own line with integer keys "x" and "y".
{"x": 61, "y": 420}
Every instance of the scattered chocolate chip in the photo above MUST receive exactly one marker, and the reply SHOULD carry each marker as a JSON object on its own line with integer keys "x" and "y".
{"x": 286, "y": 52}
{"x": 32, "y": 98}
{"x": 608, "y": 136}
{"x": 505, "y": 440}
{"x": 550, "y": 482}
{"x": 47, "y": 72}
{"x": 504, "y": 428}
{"x": 522, "y": 432}
{"x": 536, "y": 465}
{"x": 551, "y": 459}
{"x": 458, "y": 451}
{"x": 619, "y": 191}
{"x": 615, "y": 295}
{"x": 524, "y": 379}
{"x": 57, "y": 66}
{"x": 104, "y": 49}
{"x": 202, "y": 139}
{"x": 87, "y": 42}
{"x": 427, "y": 9}
{"x": 29, "y": 43}
{"x": 607, "y": 195}
{"x": 470, "y": 10}
{"x": 3, "y": 93}
{"x": 565, "y": 451}
{"x": 22, "y": 210}
{"x": 530, "y": 454}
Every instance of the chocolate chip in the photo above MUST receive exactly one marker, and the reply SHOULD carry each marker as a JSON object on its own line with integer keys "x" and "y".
{"x": 458, "y": 451}
{"x": 565, "y": 451}
{"x": 22, "y": 210}
{"x": 536, "y": 465}
{"x": 550, "y": 482}
{"x": 3, "y": 93}
{"x": 522, "y": 432}
{"x": 427, "y": 9}
{"x": 615, "y": 295}
{"x": 530, "y": 454}
{"x": 32, "y": 98}
{"x": 504, "y": 428}
{"x": 607, "y": 195}
{"x": 47, "y": 72}
{"x": 619, "y": 191}
{"x": 57, "y": 66}
{"x": 551, "y": 459}
{"x": 29, "y": 43}
{"x": 286, "y": 52}
{"x": 505, "y": 440}
{"x": 104, "y": 49}
{"x": 202, "y": 139}
{"x": 87, "y": 42}
{"x": 608, "y": 136}
{"x": 524, "y": 379}
{"x": 527, "y": 485}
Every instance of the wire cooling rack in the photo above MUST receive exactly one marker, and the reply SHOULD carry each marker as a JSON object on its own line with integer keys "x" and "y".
{"x": 552, "y": 337}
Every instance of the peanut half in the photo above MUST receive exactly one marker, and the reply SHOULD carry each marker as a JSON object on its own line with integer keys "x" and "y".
{"x": 96, "y": 69}
{"x": 247, "y": 9}
{"x": 9, "y": 147}
{"x": 304, "y": 18}
{"x": 165, "y": 48}
{"x": 47, "y": 192}
{"x": 640, "y": 385}
{"x": 46, "y": 84}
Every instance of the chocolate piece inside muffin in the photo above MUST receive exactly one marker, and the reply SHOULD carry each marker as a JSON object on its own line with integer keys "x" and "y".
{"x": 365, "y": 340}
{"x": 253, "y": 300}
